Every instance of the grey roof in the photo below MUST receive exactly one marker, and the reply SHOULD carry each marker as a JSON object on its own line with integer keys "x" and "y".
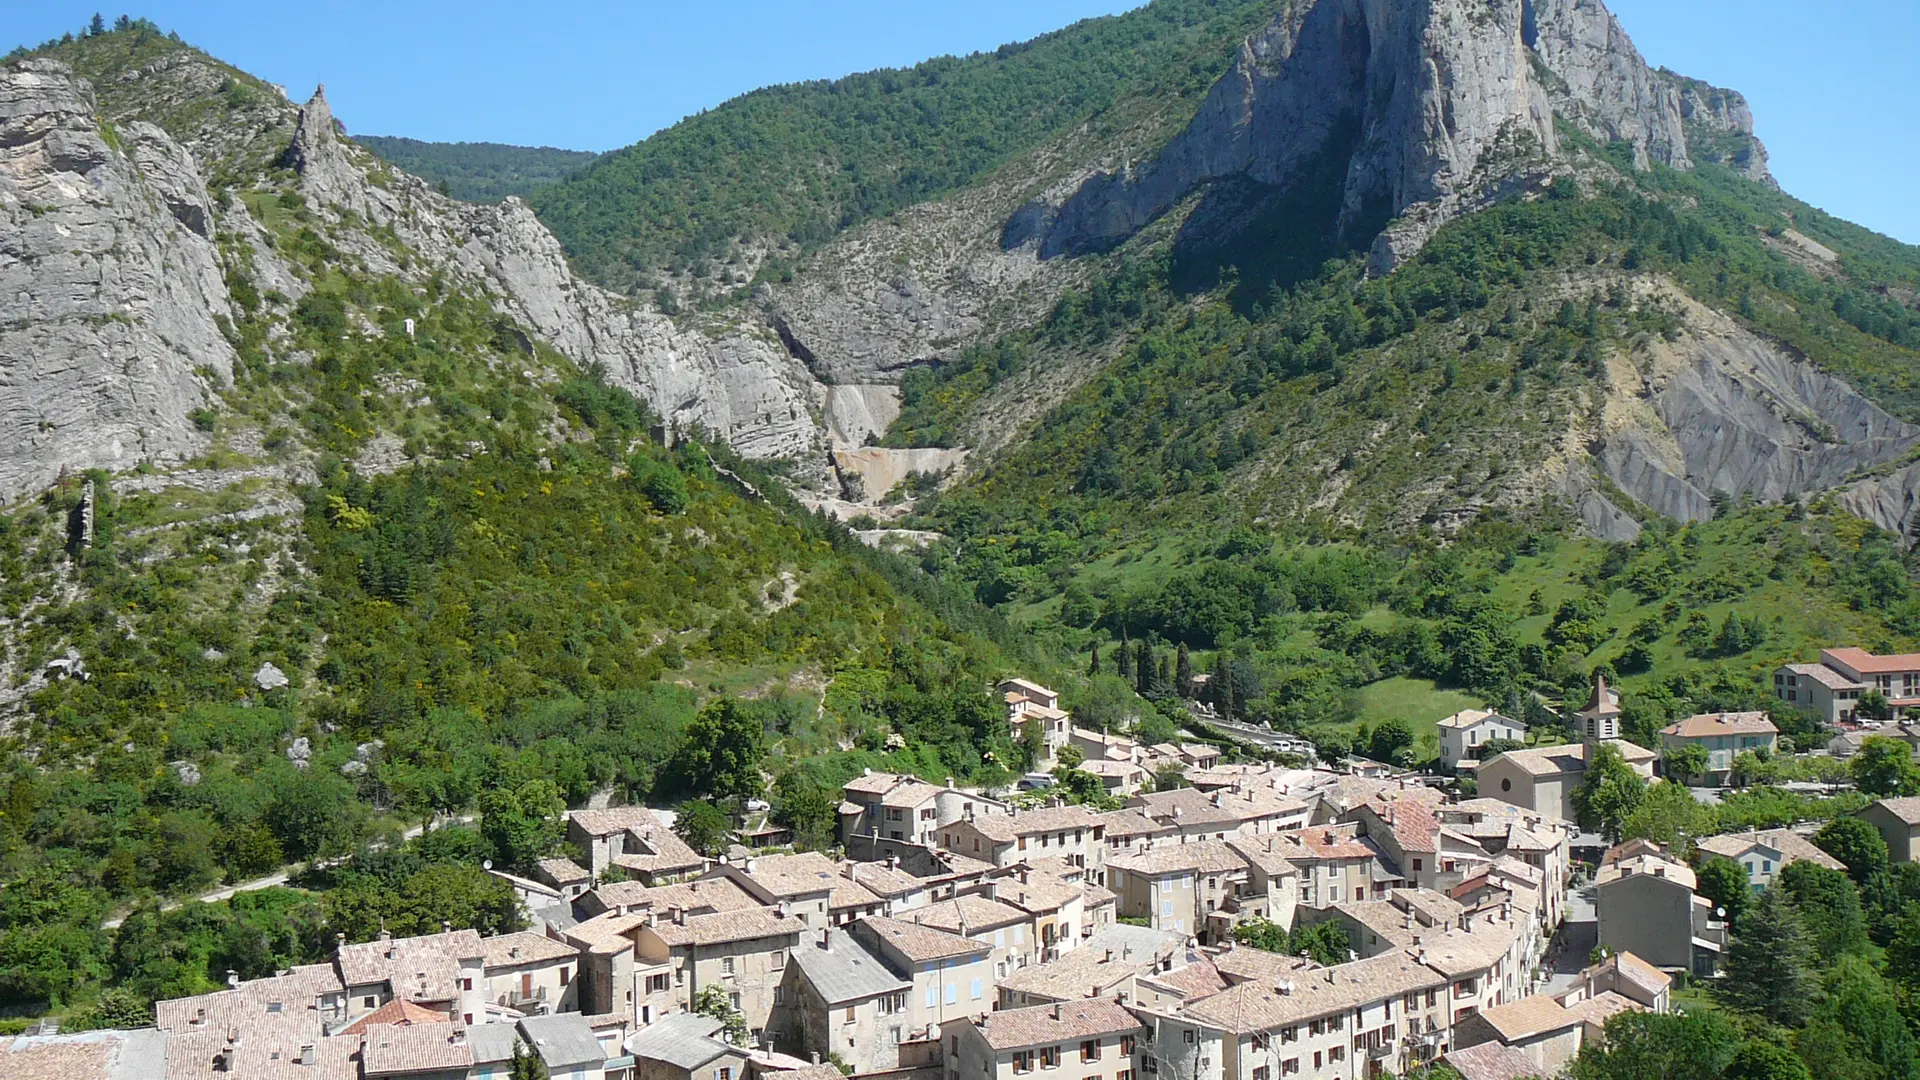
{"x": 683, "y": 1039}
{"x": 1143, "y": 940}
{"x": 492, "y": 1042}
{"x": 844, "y": 971}
{"x": 563, "y": 1040}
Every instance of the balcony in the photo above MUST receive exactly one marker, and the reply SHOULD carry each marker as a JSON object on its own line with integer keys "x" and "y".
{"x": 521, "y": 998}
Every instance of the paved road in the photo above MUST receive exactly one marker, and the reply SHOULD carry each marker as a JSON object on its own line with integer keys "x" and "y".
{"x": 279, "y": 877}
{"x": 1574, "y": 944}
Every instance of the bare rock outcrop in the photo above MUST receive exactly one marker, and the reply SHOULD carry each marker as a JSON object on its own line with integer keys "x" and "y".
{"x": 109, "y": 286}
{"x": 1738, "y": 414}
{"x": 1434, "y": 108}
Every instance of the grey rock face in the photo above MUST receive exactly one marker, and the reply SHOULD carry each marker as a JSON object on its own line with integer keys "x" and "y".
{"x": 1436, "y": 107}
{"x": 1739, "y": 415}
{"x": 108, "y": 286}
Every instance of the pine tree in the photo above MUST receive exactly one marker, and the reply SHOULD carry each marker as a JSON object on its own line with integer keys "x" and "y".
{"x": 1183, "y": 672}
{"x": 1770, "y": 961}
{"x": 97, "y": 27}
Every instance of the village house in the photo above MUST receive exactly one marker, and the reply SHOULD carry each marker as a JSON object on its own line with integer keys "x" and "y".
{"x": 1245, "y": 810}
{"x": 1487, "y": 959}
{"x": 1763, "y": 853}
{"x": 685, "y": 1046}
{"x": 531, "y": 973}
{"x": 950, "y": 976}
{"x": 1130, "y": 831}
{"x": 444, "y": 972}
{"x": 1542, "y": 841}
{"x": 1089, "y": 1039}
{"x": 1646, "y": 905}
{"x": 744, "y": 953}
{"x": 1724, "y": 736}
{"x": 1543, "y": 779}
{"x": 1073, "y": 832}
{"x": 1624, "y": 974}
{"x": 1898, "y": 820}
{"x": 1052, "y": 895}
{"x": 906, "y": 808}
{"x": 1179, "y": 886}
{"x": 632, "y": 838}
{"x": 565, "y": 875}
{"x": 1031, "y": 703}
{"x": 1833, "y": 687}
{"x": 606, "y": 980}
{"x": 848, "y": 1002}
{"x": 1272, "y": 887}
{"x": 1334, "y": 865}
{"x": 809, "y": 885}
{"x": 1108, "y": 966}
{"x": 1463, "y": 734}
{"x": 1005, "y": 930}
{"x": 697, "y": 897}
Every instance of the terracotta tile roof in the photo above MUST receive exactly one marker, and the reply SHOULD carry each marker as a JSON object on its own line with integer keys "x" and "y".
{"x": 563, "y": 871}
{"x": 1643, "y": 974}
{"x": 1438, "y": 908}
{"x": 1906, "y": 809}
{"x": 1868, "y": 664}
{"x": 1706, "y": 725}
{"x": 1083, "y": 972}
{"x": 747, "y": 924}
{"x": 420, "y": 1048}
{"x": 1073, "y": 1021}
{"x": 969, "y": 913}
{"x": 919, "y": 943}
{"x": 788, "y": 876}
{"x": 1131, "y": 822}
{"x": 613, "y": 819}
{"x": 1456, "y": 952}
{"x": 1645, "y": 865}
{"x": 399, "y": 1013}
{"x": 1093, "y": 896}
{"x": 705, "y": 895}
{"x": 810, "y": 1072}
{"x": 525, "y": 947}
{"x": 1824, "y": 675}
{"x": 1604, "y": 1006}
{"x": 1264, "y": 854}
{"x": 609, "y": 933}
{"x": 1491, "y": 1061}
{"x": 424, "y": 968}
{"x": 1006, "y": 828}
{"x": 1791, "y": 845}
{"x": 1243, "y": 963}
{"x": 1196, "y": 980}
{"x": 90, "y": 1055}
{"x": 1320, "y": 843}
{"x": 1414, "y": 827}
{"x": 661, "y": 852}
{"x": 880, "y": 879}
{"x": 1029, "y": 687}
{"x": 1261, "y": 1006}
{"x": 296, "y": 993}
{"x": 1201, "y": 857}
{"x": 1528, "y": 1017}
{"x": 1466, "y": 718}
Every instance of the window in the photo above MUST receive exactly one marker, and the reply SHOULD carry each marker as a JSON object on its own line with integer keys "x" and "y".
{"x": 1149, "y": 1064}
{"x": 733, "y": 1000}
{"x": 1126, "y": 1045}
{"x": 1431, "y": 998}
{"x": 849, "y": 1017}
{"x": 1022, "y": 1061}
{"x": 893, "y": 1038}
{"x": 273, "y": 1006}
{"x": 565, "y": 974}
{"x": 779, "y": 995}
{"x": 366, "y": 1003}
{"x": 975, "y": 988}
{"x": 1290, "y": 1033}
{"x": 1290, "y": 1067}
{"x": 1090, "y": 1050}
{"x": 1317, "y": 1063}
{"x": 726, "y": 965}
{"x": 1049, "y": 1057}
{"x": 953, "y": 993}
{"x": 467, "y": 1018}
{"x": 1506, "y": 785}
{"x": 1186, "y": 1036}
{"x": 1123, "y": 1074}
{"x": 1314, "y": 1028}
{"x": 1336, "y": 1023}
{"x": 657, "y": 984}
{"x": 1417, "y": 866}
{"x": 1260, "y": 1072}
{"x": 1338, "y": 1053}
{"x": 466, "y": 984}
{"x": 724, "y": 1072}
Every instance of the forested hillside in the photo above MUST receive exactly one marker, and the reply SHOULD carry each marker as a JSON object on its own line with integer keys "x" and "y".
{"x": 478, "y": 171}
{"x": 781, "y": 169}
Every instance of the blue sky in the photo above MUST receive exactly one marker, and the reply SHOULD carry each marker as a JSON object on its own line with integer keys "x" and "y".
{"x": 1829, "y": 83}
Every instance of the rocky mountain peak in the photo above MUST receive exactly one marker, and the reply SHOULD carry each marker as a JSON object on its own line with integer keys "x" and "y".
{"x": 1433, "y": 108}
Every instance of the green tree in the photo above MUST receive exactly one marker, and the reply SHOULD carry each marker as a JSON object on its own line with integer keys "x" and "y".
{"x": 1169, "y": 778}
{"x": 1392, "y": 742}
{"x": 704, "y": 827}
{"x": 1693, "y": 1045}
{"x": 1855, "y": 843}
{"x": 1873, "y": 706}
{"x": 1610, "y": 792}
{"x": 522, "y": 824}
{"x": 1669, "y": 814}
{"x": 721, "y": 754}
{"x": 1884, "y": 766}
{"x": 1069, "y": 757}
{"x": 1758, "y": 1059}
{"x": 526, "y": 1064}
{"x": 314, "y": 813}
{"x": 801, "y": 804}
{"x": 1183, "y": 672}
{"x": 711, "y": 1000}
{"x": 1857, "y": 1029}
{"x": 1903, "y": 951}
{"x": 1686, "y": 762}
{"x": 659, "y": 482}
{"x": 1829, "y": 907}
{"x": 1724, "y": 884}
{"x": 1771, "y": 961}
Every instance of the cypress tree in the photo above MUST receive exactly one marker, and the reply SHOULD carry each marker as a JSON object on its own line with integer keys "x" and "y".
{"x": 1142, "y": 668}
{"x": 1093, "y": 659}
{"x": 1183, "y": 671}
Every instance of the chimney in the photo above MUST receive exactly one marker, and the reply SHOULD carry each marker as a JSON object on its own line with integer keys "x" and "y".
{"x": 849, "y": 871}
{"x": 1331, "y": 977}
{"x": 458, "y": 1037}
{"x": 339, "y": 940}
{"x": 678, "y": 914}
{"x": 306, "y": 1053}
{"x": 1056, "y": 1012}
{"x": 949, "y": 783}
{"x": 1126, "y": 952}
{"x": 1422, "y": 958}
{"x": 233, "y": 979}
{"x": 1109, "y": 958}
{"x": 816, "y": 1057}
{"x": 1284, "y": 988}
{"x": 786, "y": 909}
{"x": 513, "y": 952}
{"x": 446, "y": 926}
{"x": 893, "y": 862}
{"x": 826, "y": 938}
{"x": 1122, "y": 997}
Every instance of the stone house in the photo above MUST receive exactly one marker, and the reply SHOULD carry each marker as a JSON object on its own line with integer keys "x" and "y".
{"x": 744, "y": 953}
{"x": 531, "y": 973}
{"x": 1646, "y": 905}
{"x": 1464, "y": 733}
{"x": 1178, "y": 887}
{"x": 1898, "y": 820}
{"x": 846, "y": 1000}
{"x": 1724, "y": 736}
{"x": 1073, "y": 832}
{"x": 950, "y": 976}
{"x": 1089, "y": 1039}
{"x": 1763, "y": 853}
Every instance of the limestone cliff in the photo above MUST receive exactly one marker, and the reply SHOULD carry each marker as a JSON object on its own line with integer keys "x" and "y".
{"x": 109, "y": 287}
{"x": 1433, "y": 106}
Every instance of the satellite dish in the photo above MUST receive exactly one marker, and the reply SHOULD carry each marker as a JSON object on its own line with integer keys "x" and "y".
{"x": 486, "y": 864}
